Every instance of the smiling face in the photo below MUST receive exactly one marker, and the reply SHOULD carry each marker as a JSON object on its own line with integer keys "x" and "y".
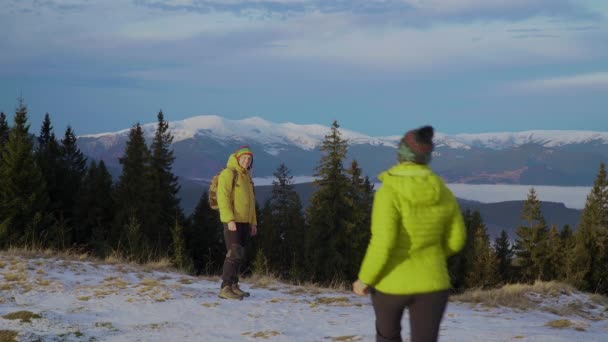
{"x": 245, "y": 161}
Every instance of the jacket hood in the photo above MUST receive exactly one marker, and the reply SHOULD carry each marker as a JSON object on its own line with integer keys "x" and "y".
{"x": 233, "y": 163}
{"x": 416, "y": 182}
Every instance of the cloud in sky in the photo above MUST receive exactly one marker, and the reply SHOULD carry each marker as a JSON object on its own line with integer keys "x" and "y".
{"x": 245, "y": 49}
{"x": 579, "y": 82}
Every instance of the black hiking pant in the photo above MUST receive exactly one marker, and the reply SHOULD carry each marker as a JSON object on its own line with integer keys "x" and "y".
{"x": 426, "y": 311}
{"x": 235, "y": 252}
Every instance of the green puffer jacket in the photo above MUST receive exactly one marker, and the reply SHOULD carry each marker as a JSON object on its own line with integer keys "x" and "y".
{"x": 244, "y": 198}
{"x": 416, "y": 225}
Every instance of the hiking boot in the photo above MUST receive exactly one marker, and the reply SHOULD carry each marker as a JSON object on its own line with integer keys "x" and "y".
{"x": 236, "y": 289}
{"x": 227, "y": 293}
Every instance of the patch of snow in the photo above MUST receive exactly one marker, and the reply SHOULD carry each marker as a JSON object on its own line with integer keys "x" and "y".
{"x": 79, "y": 300}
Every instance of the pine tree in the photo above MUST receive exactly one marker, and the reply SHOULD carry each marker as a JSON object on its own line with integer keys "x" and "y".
{"x": 556, "y": 255}
{"x": 567, "y": 242}
{"x": 531, "y": 247}
{"x": 329, "y": 212}
{"x": 361, "y": 196}
{"x": 482, "y": 272}
{"x": 179, "y": 255}
{"x": 589, "y": 270}
{"x": 504, "y": 255}
{"x": 95, "y": 210}
{"x": 282, "y": 235}
{"x": 4, "y": 129}
{"x": 47, "y": 158}
{"x": 164, "y": 204}
{"x": 204, "y": 238}
{"x": 460, "y": 264}
{"x": 132, "y": 196}
{"x": 23, "y": 196}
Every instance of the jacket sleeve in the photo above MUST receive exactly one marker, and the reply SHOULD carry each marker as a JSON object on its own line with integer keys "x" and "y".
{"x": 225, "y": 195}
{"x": 255, "y": 216}
{"x": 384, "y": 230}
{"x": 456, "y": 232}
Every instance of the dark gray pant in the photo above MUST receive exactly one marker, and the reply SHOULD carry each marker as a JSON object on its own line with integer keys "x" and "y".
{"x": 235, "y": 247}
{"x": 426, "y": 311}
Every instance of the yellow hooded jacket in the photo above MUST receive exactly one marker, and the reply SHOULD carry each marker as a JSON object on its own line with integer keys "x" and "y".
{"x": 416, "y": 225}
{"x": 242, "y": 209}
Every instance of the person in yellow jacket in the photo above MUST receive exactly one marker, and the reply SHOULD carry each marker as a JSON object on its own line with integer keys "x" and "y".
{"x": 236, "y": 203}
{"x": 416, "y": 225}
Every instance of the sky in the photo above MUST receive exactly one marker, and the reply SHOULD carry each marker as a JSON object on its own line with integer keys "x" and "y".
{"x": 379, "y": 67}
{"x": 85, "y": 301}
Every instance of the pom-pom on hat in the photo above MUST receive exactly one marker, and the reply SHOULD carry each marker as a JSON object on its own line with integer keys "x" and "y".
{"x": 417, "y": 145}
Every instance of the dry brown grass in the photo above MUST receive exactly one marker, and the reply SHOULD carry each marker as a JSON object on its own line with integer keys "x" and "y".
{"x": 599, "y": 300}
{"x": 347, "y": 338}
{"x": 43, "y": 282}
{"x": 560, "y": 323}
{"x": 186, "y": 281}
{"x": 266, "y": 334}
{"x": 24, "y": 316}
{"x": 514, "y": 295}
{"x": 152, "y": 264}
{"x": 566, "y": 323}
{"x": 15, "y": 277}
{"x": 8, "y": 336}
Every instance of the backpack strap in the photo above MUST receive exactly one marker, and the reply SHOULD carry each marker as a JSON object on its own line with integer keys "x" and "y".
{"x": 234, "y": 179}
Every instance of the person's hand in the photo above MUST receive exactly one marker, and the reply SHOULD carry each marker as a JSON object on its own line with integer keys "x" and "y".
{"x": 232, "y": 226}
{"x": 254, "y": 229}
{"x": 360, "y": 289}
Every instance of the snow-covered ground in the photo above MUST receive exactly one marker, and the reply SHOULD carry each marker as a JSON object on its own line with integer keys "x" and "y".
{"x": 91, "y": 301}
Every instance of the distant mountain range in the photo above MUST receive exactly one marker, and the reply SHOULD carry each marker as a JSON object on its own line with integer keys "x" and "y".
{"x": 203, "y": 143}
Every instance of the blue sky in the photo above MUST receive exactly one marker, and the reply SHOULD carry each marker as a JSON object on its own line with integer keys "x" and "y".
{"x": 379, "y": 67}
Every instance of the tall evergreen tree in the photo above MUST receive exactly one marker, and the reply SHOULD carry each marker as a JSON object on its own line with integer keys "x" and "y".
{"x": 361, "y": 196}
{"x": 132, "y": 197}
{"x": 504, "y": 255}
{"x": 95, "y": 210}
{"x": 22, "y": 190}
{"x": 557, "y": 255}
{"x": 531, "y": 247}
{"x": 589, "y": 270}
{"x": 204, "y": 238}
{"x": 482, "y": 272}
{"x": 164, "y": 204}
{"x": 48, "y": 157}
{"x": 179, "y": 254}
{"x": 460, "y": 264}
{"x": 567, "y": 242}
{"x": 282, "y": 236}
{"x": 72, "y": 170}
{"x": 4, "y": 129}
{"x": 329, "y": 212}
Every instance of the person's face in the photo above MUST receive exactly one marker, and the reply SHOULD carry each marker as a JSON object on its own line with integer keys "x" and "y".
{"x": 245, "y": 161}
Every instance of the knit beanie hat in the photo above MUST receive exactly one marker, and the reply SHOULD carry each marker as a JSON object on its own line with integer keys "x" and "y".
{"x": 242, "y": 151}
{"x": 417, "y": 145}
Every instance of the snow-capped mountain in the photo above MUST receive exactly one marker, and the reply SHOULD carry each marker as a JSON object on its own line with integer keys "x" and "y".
{"x": 308, "y": 137}
{"x": 250, "y": 130}
{"x": 203, "y": 143}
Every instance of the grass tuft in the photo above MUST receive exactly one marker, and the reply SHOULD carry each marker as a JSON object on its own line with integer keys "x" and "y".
{"x": 24, "y": 316}
{"x": 515, "y": 295}
{"x": 8, "y": 336}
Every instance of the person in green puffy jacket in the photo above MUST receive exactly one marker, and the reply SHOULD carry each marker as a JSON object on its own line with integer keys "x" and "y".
{"x": 236, "y": 203}
{"x": 416, "y": 225}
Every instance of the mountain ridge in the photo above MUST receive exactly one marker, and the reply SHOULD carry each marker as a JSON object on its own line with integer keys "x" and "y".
{"x": 203, "y": 143}
{"x": 311, "y": 135}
